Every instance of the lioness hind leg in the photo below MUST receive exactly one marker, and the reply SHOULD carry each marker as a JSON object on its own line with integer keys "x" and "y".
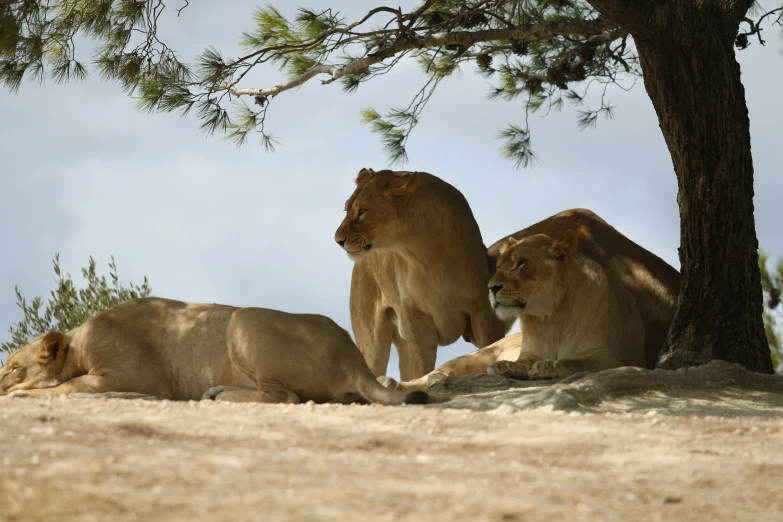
{"x": 238, "y": 394}
{"x": 212, "y": 393}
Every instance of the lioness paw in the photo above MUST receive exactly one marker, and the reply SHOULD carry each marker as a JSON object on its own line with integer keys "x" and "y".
{"x": 212, "y": 393}
{"x": 544, "y": 369}
{"x": 511, "y": 369}
{"x": 389, "y": 382}
{"x": 436, "y": 377}
{"x": 19, "y": 395}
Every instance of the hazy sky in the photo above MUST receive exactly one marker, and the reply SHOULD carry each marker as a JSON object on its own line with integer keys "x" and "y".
{"x": 84, "y": 174}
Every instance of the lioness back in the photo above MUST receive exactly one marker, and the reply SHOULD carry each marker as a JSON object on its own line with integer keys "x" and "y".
{"x": 175, "y": 348}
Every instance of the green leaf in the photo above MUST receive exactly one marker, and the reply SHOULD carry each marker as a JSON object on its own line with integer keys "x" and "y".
{"x": 67, "y": 307}
{"x": 517, "y": 146}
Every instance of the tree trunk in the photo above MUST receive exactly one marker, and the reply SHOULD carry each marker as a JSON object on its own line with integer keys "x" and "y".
{"x": 693, "y": 79}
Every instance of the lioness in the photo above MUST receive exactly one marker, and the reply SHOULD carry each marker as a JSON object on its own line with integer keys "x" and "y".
{"x": 176, "y": 350}
{"x": 653, "y": 284}
{"x": 574, "y": 316}
{"x": 420, "y": 273}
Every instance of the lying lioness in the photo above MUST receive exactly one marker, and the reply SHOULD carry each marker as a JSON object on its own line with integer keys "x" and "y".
{"x": 652, "y": 283}
{"x": 176, "y": 350}
{"x": 574, "y": 316}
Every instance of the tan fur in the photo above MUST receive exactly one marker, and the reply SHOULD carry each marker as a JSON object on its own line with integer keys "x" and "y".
{"x": 653, "y": 283}
{"x": 506, "y": 349}
{"x": 420, "y": 272}
{"x": 176, "y": 350}
{"x": 574, "y": 316}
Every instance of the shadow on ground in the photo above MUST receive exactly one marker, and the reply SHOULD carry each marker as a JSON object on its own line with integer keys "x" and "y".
{"x": 715, "y": 389}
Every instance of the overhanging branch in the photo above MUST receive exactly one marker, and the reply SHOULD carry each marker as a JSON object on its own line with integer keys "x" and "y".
{"x": 435, "y": 40}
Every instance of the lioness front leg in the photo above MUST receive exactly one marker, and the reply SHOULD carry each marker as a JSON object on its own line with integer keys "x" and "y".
{"x": 546, "y": 369}
{"x": 487, "y": 327}
{"x": 519, "y": 369}
{"x": 372, "y": 324}
{"x": 417, "y": 357}
{"x": 593, "y": 360}
{"x": 83, "y": 384}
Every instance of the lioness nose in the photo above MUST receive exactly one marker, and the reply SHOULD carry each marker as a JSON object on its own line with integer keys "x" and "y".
{"x": 495, "y": 289}
{"x": 340, "y": 242}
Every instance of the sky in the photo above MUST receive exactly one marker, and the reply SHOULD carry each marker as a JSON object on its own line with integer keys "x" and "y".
{"x": 83, "y": 174}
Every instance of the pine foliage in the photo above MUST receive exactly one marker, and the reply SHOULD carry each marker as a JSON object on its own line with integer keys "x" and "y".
{"x": 539, "y": 54}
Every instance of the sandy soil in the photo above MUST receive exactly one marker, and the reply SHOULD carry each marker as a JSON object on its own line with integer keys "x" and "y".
{"x": 689, "y": 455}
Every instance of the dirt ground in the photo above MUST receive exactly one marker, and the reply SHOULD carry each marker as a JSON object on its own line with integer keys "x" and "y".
{"x": 686, "y": 455}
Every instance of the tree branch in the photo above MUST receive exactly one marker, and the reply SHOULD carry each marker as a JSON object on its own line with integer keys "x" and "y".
{"x": 462, "y": 38}
{"x": 738, "y": 8}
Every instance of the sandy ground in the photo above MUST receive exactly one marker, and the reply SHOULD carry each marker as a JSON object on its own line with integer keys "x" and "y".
{"x": 689, "y": 455}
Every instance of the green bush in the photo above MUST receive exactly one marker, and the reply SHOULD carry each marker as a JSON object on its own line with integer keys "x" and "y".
{"x": 771, "y": 282}
{"x": 68, "y": 307}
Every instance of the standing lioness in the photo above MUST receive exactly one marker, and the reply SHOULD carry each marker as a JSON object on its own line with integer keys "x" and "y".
{"x": 575, "y": 317}
{"x": 176, "y": 350}
{"x": 420, "y": 270}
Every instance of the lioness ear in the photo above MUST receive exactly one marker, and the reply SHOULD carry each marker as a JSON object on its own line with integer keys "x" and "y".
{"x": 363, "y": 176}
{"x": 52, "y": 346}
{"x": 564, "y": 246}
{"x": 406, "y": 189}
{"x": 508, "y": 244}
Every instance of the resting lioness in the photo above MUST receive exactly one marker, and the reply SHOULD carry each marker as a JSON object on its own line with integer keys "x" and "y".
{"x": 574, "y": 316}
{"x": 420, "y": 274}
{"x": 653, "y": 284}
{"x": 176, "y": 350}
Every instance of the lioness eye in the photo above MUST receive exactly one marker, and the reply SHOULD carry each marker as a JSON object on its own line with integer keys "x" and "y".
{"x": 362, "y": 211}
{"x": 520, "y": 264}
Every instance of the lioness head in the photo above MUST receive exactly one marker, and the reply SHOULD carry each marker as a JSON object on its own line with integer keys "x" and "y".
{"x": 372, "y": 220}
{"x": 35, "y": 365}
{"x": 529, "y": 276}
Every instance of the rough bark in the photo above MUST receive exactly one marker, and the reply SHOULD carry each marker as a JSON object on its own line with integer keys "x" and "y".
{"x": 693, "y": 79}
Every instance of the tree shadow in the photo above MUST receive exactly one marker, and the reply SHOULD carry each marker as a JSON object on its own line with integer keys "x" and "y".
{"x": 714, "y": 389}
{"x": 733, "y": 401}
